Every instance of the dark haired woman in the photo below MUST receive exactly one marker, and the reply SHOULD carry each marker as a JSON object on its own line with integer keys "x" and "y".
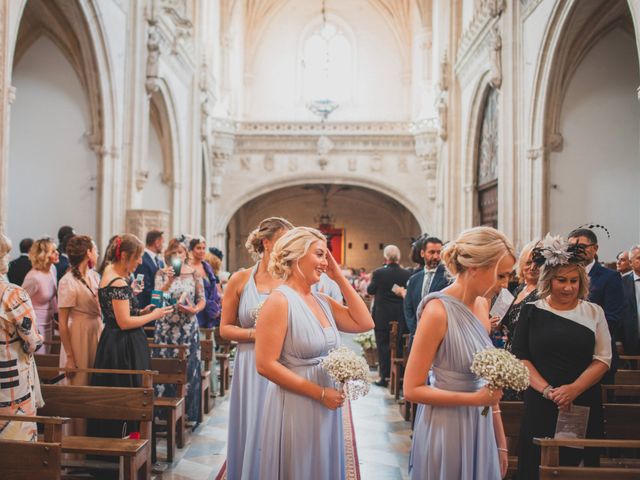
{"x": 210, "y": 315}
{"x": 123, "y": 343}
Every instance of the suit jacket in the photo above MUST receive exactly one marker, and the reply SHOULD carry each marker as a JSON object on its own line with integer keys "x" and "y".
{"x": 414, "y": 294}
{"x": 148, "y": 268}
{"x": 630, "y": 321}
{"x": 61, "y": 267}
{"x": 18, "y": 269}
{"x": 387, "y": 306}
{"x": 605, "y": 289}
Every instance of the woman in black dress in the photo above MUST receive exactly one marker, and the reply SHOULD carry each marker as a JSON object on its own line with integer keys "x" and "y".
{"x": 564, "y": 342}
{"x": 123, "y": 343}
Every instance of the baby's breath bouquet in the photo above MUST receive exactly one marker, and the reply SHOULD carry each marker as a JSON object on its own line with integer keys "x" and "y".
{"x": 501, "y": 369}
{"x": 366, "y": 340}
{"x": 348, "y": 369}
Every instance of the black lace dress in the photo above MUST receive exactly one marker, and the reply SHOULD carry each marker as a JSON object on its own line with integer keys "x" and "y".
{"x": 512, "y": 316}
{"x": 118, "y": 350}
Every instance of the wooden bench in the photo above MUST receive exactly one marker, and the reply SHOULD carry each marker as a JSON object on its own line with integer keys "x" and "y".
{"x": 550, "y": 468}
{"x": 632, "y": 361}
{"x": 206, "y": 356}
{"x": 620, "y": 393}
{"x": 172, "y": 371}
{"x": 395, "y": 377}
{"x": 106, "y": 403}
{"x": 406, "y": 407}
{"x": 223, "y": 359}
{"x": 25, "y": 460}
{"x": 512, "y": 413}
{"x": 49, "y": 360}
{"x": 628, "y": 377}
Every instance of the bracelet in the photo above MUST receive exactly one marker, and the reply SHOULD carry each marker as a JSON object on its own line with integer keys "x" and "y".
{"x": 322, "y": 396}
{"x": 503, "y": 450}
{"x": 497, "y": 411}
{"x": 545, "y": 391}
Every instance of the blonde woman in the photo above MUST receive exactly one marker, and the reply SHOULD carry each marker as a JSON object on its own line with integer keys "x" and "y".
{"x": 243, "y": 295}
{"x": 451, "y": 439}
{"x": 19, "y": 338}
{"x": 41, "y": 285}
{"x": 301, "y": 423}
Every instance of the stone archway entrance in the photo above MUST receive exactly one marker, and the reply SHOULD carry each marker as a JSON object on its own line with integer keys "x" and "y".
{"x": 361, "y": 220}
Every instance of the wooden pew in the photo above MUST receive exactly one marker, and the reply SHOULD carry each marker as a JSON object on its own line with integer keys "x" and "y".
{"x": 633, "y": 361}
{"x": 550, "y": 468}
{"x": 172, "y": 371}
{"x": 511, "y": 418}
{"x": 206, "y": 356}
{"x": 628, "y": 377}
{"x": 24, "y": 460}
{"x": 48, "y": 360}
{"x": 223, "y": 359}
{"x": 106, "y": 403}
{"x": 406, "y": 407}
{"x": 396, "y": 362}
{"x": 620, "y": 393}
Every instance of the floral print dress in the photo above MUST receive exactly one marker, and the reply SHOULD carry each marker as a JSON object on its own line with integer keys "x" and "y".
{"x": 180, "y": 328}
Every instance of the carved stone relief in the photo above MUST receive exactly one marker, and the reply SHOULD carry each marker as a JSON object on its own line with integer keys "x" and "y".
{"x": 218, "y": 161}
{"x": 352, "y": 164}
{"x": 376, "y": 164}
{"x": 269, "y": 163}
{"x": 293, "y": 164}
{"x": 245, "y": 163}
{"x": 489, "y": 141}
{"x": 141, "y": 179}
{"x": 442, "y": 118}
{"x": 495, "y": 55}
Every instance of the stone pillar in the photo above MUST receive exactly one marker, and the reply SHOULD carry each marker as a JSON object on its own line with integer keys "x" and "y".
{"x": 6, "y": 94}
{"x": 140, "y": 221}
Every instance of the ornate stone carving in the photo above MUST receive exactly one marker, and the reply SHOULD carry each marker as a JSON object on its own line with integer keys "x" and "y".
{"x": 11, "y": 94}
{"x": 443, "y": 79}
{"x": 487, "y": 165}
{"x": 245, "y": 163}
{"x": 376, "y": 164}
{"x": 139, "y": 222}
{"x": 494, "y": 7}
{"x": 556, "y": 142}
{"x": 141, "y": 179}
{"x": 495, "y": 78}
{"x": 442, "y": 118}
{"x": 269, "y": 163}
{"x": 402, "y": 165}
{"x": 323, "y": 162}
{"x": 293, "y": 164}
{"x": 352, "y": 164}
{"x": 535, "y": 153}
{"x": 153, "y": 56}
{"x": 218, "y": 162}
{"x": 325, "y": 145}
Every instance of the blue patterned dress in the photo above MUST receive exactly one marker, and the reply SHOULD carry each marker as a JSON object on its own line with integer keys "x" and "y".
{"x": 180, "y": 328}
{"x": 455, "y": 441}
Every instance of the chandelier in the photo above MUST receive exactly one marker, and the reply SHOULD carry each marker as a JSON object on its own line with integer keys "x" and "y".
{"x": 323, "y": 107}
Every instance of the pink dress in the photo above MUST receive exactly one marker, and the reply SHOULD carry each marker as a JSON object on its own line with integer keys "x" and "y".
{"x": 41, "y": 287}
{"x": 85, "y": 327}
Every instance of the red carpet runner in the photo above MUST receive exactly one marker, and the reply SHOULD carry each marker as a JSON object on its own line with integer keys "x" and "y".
{"x": 350, "y": 448}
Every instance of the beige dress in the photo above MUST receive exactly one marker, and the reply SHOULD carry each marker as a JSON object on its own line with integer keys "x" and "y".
{"x": 41, "y": 287}
{"x": 85, "y": 327}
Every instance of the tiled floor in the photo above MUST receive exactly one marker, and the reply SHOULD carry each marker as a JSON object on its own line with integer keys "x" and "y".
{"x": 383, "y": 439}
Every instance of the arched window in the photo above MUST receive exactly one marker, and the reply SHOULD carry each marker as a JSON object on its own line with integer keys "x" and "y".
{"x": 327, "y": 64}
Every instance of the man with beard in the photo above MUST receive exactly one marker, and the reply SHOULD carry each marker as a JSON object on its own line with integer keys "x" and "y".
{"x": 432, "y": 278}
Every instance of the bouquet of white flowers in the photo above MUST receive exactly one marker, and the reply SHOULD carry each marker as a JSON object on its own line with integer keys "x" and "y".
{"x": 348, "y": 369}
{"x": 501, "y": 369}
{"x": 366, "y": 340}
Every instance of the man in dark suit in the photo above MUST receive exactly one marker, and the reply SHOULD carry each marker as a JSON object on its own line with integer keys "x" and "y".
{"x": 64, "y": 235}
{"x": 605, "y": 289}
{"x": 19, "y": 267}
{"x": 431, "y": 278}
{"x": 387, "y": 306}
{"x": 631, "y": 323}
{"x": 151, "y": 263}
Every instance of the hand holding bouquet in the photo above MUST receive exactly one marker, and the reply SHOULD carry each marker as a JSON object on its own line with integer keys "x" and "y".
{"x": 348, "y": 369}
{"x": 501, "y": 369}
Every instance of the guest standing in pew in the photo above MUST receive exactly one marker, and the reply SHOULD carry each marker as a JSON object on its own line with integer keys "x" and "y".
{"x": 631, "y": 324}
{"x": 210, "y": 315}
{"x": 79, "y": 316}
{"x": 152, "y": 261}
{"x": 564, "y": 341}
{"x": 19, "y": 267}
{"x": 451, "y": 439}
{"x": 302, "y": 436}
{"x": 180, "y": 327}
{"x": 244, "y": 294}
{"x": 42, "y": 286}
{"x": 19, "y": 338}
{"x": 123, "y": 343}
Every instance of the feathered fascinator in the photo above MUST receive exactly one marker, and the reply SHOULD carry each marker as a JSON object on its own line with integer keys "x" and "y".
{"x": 555, "y": 251}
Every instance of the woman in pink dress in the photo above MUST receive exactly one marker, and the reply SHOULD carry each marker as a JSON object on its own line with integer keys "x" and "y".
{"x": 41, "y": 285}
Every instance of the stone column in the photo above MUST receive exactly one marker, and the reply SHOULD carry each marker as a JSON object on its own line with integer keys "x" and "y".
{"x": 7, "y": 93}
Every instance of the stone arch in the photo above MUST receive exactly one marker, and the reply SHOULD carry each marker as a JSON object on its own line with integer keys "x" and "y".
{"x": 573, "y": 29}
{"x": 77, "y": 30}
{"x": 233, "y": 204}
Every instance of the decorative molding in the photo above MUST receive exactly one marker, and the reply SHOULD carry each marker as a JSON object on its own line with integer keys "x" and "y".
{"x": 219, "y": 159}
{"x": 319, "y": 128}
{"x": 324, "y": 146}
{"x": 11, "y": 94}
{"x": 443, "y": 79}
{"x": 443, "y": 110}
{"x": 141, "y": 179}
{"x": 535, "y": 153}
{"x": 495, "y": 42}
{"x": 556, "y": 142}
{"x": 527, "y": 7}
{"x": 152, "y": 83}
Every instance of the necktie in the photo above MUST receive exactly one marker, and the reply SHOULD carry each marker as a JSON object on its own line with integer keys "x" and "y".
{"x": 428, "y": 276}
{"x": 158, "y": 262}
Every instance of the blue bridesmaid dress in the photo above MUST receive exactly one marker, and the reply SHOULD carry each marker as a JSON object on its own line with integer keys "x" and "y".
{"x": 449, "y": 441}
{"x": 301, "y": 438}
{"x": 248, "y": 390}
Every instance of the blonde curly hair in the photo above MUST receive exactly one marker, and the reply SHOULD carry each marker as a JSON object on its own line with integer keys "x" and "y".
{"x": 268, "y": 228}
{"x": 5, "y": 248}
{"x": 292, "y": 246}
{"x": 476, "y": 247}
{"x": 40, "y": 252}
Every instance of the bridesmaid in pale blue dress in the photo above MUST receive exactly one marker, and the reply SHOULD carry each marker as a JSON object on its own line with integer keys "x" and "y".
{"x": 243, "y": 295}
{"x": 302, "y": 434}
{"x": 451, "y": 438}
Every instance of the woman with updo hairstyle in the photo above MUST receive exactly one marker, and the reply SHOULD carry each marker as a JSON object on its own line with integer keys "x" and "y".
{"x": 123, "y": 343}
{"x": 41, "y": 284}
{"x": 19, "y": 338}
{"x": 302, "y": 433}
{"x": 451, "y": 438}
{"x": 243, "y": 296}
{"x": 79, "y": 310}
